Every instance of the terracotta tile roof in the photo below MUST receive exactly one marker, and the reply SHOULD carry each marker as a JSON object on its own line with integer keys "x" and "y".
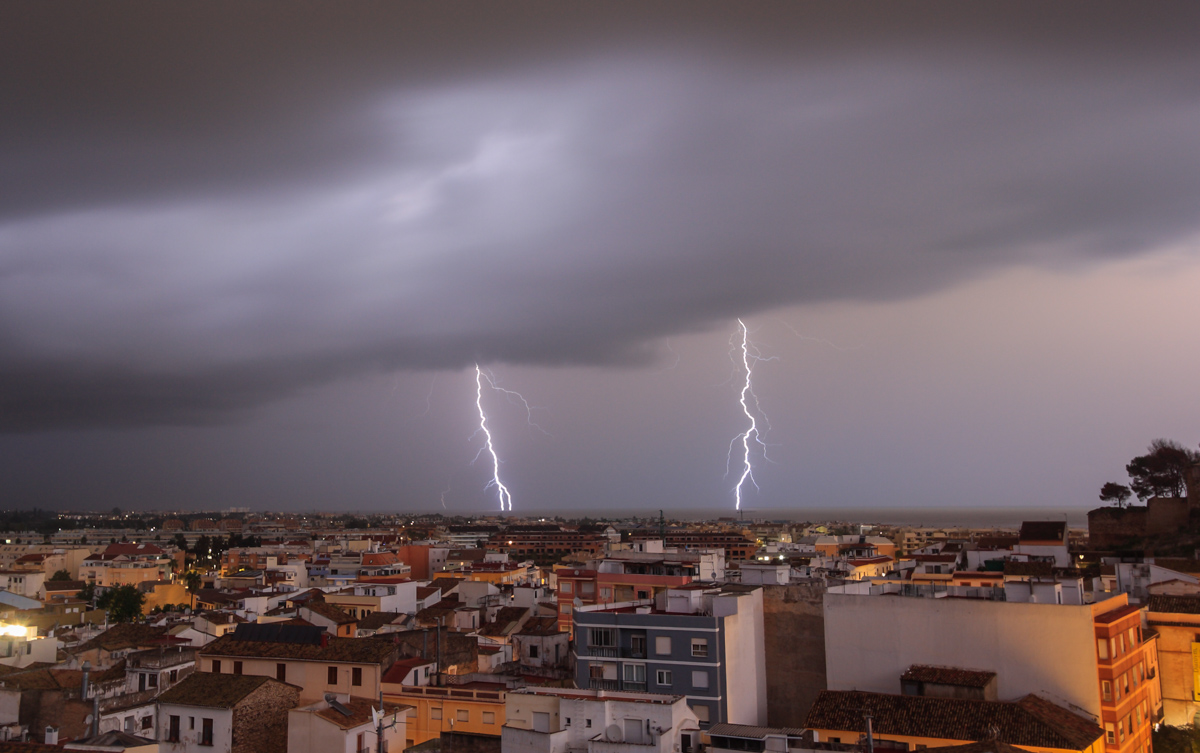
{"x": 125, "y": 635}
{"x": 213, "y": 691}
{"x": 329, "y": 612}
{"x": 354, "y": 650}
{"x": 507, "y": 620}
{"x": 1030, "y": 721}
{"x": 60, "y": 586}
{"x": 376, "y": 620}
{"x": 446, "y": 585}
{"x": 1043, "y": 530}
{"x": 989, "y": 746}
{"x": 1175, "y": 604}
{"x": 540, "y": 626}
{"x": 14, "y": 747}
{"x": 1116, "y": 614}
{"x": 360, "y": 712}
{"x": 424, "y": 592}
{"x": 966, "y": 678}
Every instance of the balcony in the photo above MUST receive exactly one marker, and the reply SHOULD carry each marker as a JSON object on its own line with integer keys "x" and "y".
{"x": 637, "y": 687}
{"x": 602, "y": 651}
{"x": 633, "y": 653}
{"x": 598, "y": 683}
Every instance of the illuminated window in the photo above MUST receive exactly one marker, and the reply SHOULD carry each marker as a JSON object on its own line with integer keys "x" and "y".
{"x": 1106, "y": 689}
{"x": 1110, "y": 734}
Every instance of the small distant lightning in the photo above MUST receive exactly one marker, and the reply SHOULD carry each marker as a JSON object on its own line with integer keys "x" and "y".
{"x": 747, "y": 391}
{"x": 501, "y": 490}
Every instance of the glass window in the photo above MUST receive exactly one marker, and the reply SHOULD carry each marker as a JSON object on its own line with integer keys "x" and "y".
{"x": 662, "y": 645}
{"x": 663, "y": 677}
{"x": 702, "y": 714}
{"x": 281, "y": 672}
{"x": 173, "y": 729}
{"x": 216, "y": 666}
{"x": 699, "y": 647}
{"x": 489, "y": 717}
{"x": 206, "y": 732}
{"x": 567, "y": 586}
{"x": 602, "y": 637}
{"x": 1102, "y": 647}
{"x": 237, "y": 667}
{"x": 356, "y": 676}
{"x": 331, "y": 676}
{"x": 464, "y": 715}
{"x": 635, "y": 673}
{"x": 435, "y": 712}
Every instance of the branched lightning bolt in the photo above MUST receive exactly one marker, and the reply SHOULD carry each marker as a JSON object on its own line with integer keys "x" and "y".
{"x": 501, "y": 489}
{"x": 747, "y": 390}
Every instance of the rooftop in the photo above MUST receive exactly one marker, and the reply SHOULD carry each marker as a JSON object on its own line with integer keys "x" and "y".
{"x": 213, "y": 691}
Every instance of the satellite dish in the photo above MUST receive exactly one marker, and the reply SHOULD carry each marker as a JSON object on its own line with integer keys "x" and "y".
{"x": 87, "y": 720}
{"x": 613, "y": 733}
{"x": 375, "y": 716}
{"x": 578, "y": 602}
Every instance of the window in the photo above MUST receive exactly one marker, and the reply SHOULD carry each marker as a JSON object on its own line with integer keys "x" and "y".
{"x": 464, "y": 715}
{"x": 174, "y": 675}
{"x": 643, "y": 594}
{"x": 566, "y": 587}
{"x": 1102, "y": 647}
{"x": 356, "y": 676}
{"x": 637, "y": 645}
{"x": 489, "y": 717}
{"x": 533, "y": 651}
{"x": 700, "y": 679}
{"x": 331, "y": 676}
{"x": 191, "y": 722}
{"x": 1106, "y": 689}
{"x": 587, "y": 589}
{"x": 588, "y": 723}
{"x": 281, "y": 672}
{"x": 147, "y": 722}
{"x": 1132, "y": 637}
{"x": 216, "y": 666}
{"x": 567, "y": 721}
{"x": 153, "y": 681}
{"x": 605, "y": 594}
{"x": 635, "y": 673}
{"x": 602, "y": 637}
{"x": 237, "y": 667}
{"x": 701, "y": 713}
{"x": 435, "y": 712}
{"x": 361, "y": 741}
{"x": 173, "y": 729}
{"x": 663, "y": 677}
{"x": 662, "y": 645}
{"x": 206, "y": 732}
{"x": 700, "y": 647}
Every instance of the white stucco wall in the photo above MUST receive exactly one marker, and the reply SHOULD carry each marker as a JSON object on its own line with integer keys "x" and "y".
{"x": 1033, "y": 648}
{"x": 745, "y": 660}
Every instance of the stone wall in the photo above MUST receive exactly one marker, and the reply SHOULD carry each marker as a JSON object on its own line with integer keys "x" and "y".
{"x": 260, "y": 721}
{"x": 1114, "y": 526}
{"x": 1166, "y": 514}
{"x": 465, "y": 742}
{"x": 794, "y": 626}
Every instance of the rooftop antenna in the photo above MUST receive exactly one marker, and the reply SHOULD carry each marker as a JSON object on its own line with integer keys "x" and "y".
{"x": 662, "y": 527}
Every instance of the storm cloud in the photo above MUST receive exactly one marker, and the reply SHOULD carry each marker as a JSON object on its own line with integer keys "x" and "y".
{"x": 205, "y": 208}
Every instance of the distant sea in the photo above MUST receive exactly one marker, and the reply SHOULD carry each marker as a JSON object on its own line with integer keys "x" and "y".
{"x": 937, "y": 517}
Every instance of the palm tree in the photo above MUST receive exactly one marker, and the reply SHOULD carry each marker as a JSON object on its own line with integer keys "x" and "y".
{"x": 191, "y": 581}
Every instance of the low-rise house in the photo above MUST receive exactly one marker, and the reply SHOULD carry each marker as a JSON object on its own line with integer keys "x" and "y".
{"x": 539, "y": 644}
{"x": 346, "y": 724}
{"x": 743, "y": 737}
{"x": 302, "y": 655}
{"x": 333, "y": 620}
{"x": 559, "y": 719}
{"x": 234, "y": 713}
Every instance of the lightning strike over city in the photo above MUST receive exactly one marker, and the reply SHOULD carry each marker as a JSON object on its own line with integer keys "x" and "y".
{"x": 752, "y": 430}
{"x": 501, "y": 490}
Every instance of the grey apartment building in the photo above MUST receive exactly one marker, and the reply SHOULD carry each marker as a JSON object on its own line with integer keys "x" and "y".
{"x": 702, "y": 641}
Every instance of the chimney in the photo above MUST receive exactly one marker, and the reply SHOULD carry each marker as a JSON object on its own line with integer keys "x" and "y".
{"x": 52, "y": 735}
{"x": 324, "y": 640}
{"x": 83, "y": 691}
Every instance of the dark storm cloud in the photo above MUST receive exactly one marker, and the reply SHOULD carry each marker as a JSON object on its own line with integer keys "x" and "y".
{"x": 202, "y": 208}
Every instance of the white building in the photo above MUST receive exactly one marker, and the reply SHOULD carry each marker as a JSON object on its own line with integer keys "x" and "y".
{"x": 557, "y": 720}
{"x": 346, "y": 724}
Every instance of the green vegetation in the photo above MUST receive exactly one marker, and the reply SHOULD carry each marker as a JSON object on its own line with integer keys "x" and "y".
{"x": 124, "y": 603}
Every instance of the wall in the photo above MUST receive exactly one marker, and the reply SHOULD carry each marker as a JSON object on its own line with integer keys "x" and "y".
{"x": 260, "y": 720}
{"x": 1034, "y": 648}
{"x": 794, "y": 633}
{"x": 1175, "y": 666}
{"x": 310, "y": 676}
{"x": 189, "y": 738}
{"x": 1113, "y": 526}
{"x": 745, "y": 662}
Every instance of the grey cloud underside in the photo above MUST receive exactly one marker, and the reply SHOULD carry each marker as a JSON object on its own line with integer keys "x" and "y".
{"x": 201, "y": 214}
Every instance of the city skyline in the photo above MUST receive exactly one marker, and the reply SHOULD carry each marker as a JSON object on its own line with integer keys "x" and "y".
{"x": 251, "y": 258}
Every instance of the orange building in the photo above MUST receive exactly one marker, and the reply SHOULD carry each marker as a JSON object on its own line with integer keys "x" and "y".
{"x": 1129, "y": 695}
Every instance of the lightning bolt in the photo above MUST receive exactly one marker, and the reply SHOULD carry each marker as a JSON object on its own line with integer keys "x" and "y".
{"x": 747, "y": 391}
{"x": 501, "y": 490}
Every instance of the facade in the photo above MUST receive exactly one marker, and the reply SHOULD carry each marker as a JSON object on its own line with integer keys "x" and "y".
{"x": 560, "y": 720}
{"x": 345, "y": 725}
{"x": 1176, "y": 619}
{"x": 476, "y": 708}
{"x": 705, "y": 643}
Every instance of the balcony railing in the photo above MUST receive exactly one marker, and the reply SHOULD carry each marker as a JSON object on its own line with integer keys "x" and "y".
{"x": 609, "y": 651}
{"x": 639, "y": 687}
{"x": 596, "y": 683}
{"x": 633, "y": 653}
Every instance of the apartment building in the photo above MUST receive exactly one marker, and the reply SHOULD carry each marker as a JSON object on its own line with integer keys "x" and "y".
{"x": 548, "y": 543}
{"x": 476, "y": 708}
{"x": 560, "y": 719}
{"x": 1176, "y": 619}
{"x": 737, "y": 547}
{"x": 699, "y": 641}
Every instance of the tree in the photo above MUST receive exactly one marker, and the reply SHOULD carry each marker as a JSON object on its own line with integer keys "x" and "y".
{"x": 180, "y": 542}
{"x": 191, "y": 581}
{"x": 124, "y": 603}
{"x": 60, "y": 575}
{"x": 1162, "y": 471}
{"x": 87, "y": 593}
{"x": 1114, "y": 492}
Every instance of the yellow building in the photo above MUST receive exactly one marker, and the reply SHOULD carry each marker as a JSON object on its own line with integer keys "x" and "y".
{"x": 477, "y": 707}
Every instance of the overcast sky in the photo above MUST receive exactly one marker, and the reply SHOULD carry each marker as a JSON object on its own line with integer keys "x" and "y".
{"x": 250, "y": 253}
